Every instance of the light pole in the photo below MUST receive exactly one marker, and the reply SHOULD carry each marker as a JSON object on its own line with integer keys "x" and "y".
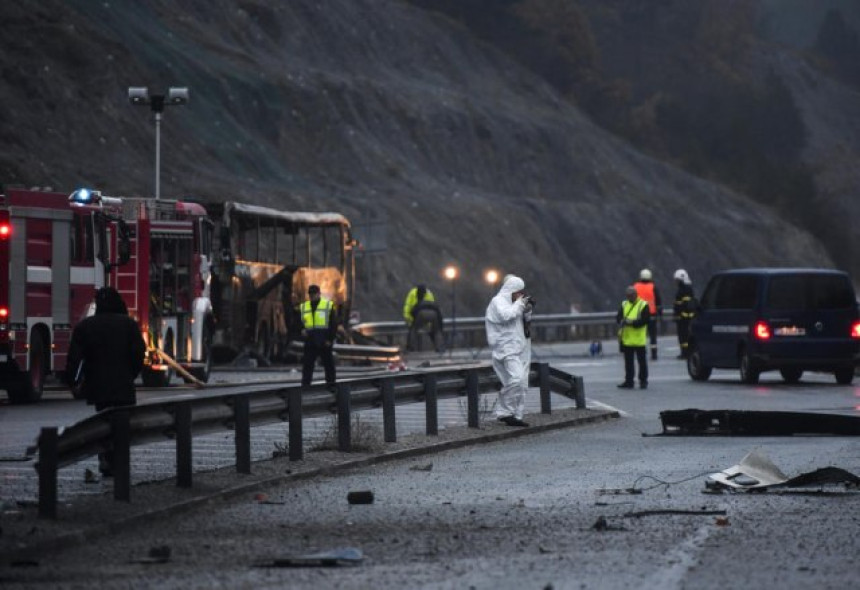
{"x": 176, "y": 96}
{"x": 451, "y": 273}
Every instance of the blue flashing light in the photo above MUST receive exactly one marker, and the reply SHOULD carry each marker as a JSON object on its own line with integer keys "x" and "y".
{"x": 85, "y": 196}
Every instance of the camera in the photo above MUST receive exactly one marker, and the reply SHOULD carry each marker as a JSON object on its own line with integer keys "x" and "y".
{"x": 529, "y": 300}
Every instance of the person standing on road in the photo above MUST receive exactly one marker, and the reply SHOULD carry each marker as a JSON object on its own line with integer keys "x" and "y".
{"x": 105, "y": 357}
{"x": 511, "y": 349}
{"x": 421, "y": 312}
{"x": 319, "y": 328}
{"x": 647, "y": 291}
{"x": 633, "y": 316}
{"x": 684, "y": 308}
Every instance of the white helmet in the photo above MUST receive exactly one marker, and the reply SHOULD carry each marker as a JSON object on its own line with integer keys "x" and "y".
{"x": 681, "y": 275}
{"x": 645, "y": 274}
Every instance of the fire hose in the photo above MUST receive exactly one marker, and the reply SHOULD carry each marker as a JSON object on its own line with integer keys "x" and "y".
{"x": 179, "y": 369}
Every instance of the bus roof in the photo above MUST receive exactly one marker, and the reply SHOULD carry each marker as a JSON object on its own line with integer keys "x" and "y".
{"x": 323, "y": 218}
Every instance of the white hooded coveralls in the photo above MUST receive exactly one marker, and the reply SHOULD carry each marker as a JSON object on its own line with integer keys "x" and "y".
{"x": 510, "y": 347}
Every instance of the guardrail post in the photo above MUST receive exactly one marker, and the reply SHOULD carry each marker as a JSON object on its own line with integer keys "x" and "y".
{"x": 431, "y": 405}
{"x": 183, "y": 421}
{"x": 344, "y": 424}
{"x": 472, "y": 397}
{"x": 579, "y": 392}
{"x": 121, "y": 465}
{"x": 295, "y": 412}
{"x": 47, "y": 467}
{"x": 543, "y": 381}
{"x": 242, "y": 425}
{"x": 389, "y": 426}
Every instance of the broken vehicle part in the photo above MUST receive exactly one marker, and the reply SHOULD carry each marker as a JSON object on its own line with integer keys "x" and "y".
{"x": 757, "y": 472}
{"x": 756, "y": 423}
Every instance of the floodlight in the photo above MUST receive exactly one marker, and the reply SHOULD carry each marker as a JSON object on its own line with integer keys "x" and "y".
{"x": 138, "y": 95}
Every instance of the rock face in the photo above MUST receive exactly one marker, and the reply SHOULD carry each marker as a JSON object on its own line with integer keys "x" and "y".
{"x": 385, "y": 113}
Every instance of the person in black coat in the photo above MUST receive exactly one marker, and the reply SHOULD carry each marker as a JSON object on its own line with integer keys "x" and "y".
{"x": 105, "y": 357}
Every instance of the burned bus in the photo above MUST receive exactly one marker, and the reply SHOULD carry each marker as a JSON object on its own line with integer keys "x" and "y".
{"x": 263, "y": 262}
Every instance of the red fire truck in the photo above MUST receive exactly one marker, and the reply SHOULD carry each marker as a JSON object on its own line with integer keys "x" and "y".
{"x": 56, "y": 249}
{"x": 166, "y": 284}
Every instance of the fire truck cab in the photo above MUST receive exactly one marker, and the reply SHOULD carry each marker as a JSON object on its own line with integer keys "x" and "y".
{"x": 57, "y": 249}
{"x": 54, "y": 252}
{"x": 166, "y": 285}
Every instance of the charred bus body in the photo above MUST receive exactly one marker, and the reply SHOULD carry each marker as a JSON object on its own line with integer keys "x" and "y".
{"x": 263, "y": 263}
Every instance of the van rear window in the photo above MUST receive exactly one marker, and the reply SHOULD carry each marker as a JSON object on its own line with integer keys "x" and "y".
{"x": 810, "y": 291}
{"x": 735, "y": 292}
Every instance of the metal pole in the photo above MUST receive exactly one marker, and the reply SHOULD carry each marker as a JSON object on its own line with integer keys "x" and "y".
{"x": 453, "y": 311}
{"x": 47, "y": 468}
{"x": 157, "y": 155}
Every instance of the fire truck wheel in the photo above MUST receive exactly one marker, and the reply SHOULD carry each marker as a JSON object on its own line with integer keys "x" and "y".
{"x": 29, "y": 391}
{"x": 152, "y": 378}
{"x": 202, "y": 373}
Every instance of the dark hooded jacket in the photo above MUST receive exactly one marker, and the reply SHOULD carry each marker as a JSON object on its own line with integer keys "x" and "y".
{"x": 111, "y": 349}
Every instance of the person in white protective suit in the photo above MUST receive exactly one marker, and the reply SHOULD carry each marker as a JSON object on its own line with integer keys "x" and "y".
{"x": 506, "y": 321}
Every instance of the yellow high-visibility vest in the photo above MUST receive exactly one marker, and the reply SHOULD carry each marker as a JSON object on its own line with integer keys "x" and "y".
{"x": 319, "y": 319}
{"x": 630, "y": 335}
{"x": 412, "y": 301}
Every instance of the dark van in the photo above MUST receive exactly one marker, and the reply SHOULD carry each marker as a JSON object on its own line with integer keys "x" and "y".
{"x": 791, "y": 320}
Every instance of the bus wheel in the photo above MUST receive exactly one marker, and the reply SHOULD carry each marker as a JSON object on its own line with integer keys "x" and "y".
{"x": 264, "y": 343}
{"x": 29, "y": 391}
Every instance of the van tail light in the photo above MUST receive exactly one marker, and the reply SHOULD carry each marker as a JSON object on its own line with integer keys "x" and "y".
{"x": 855, "y": 330}
{"x": 761, "y": 331}
{"x": 4, "y": 313}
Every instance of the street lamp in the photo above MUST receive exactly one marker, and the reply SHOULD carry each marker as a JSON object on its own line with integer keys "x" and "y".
{"x": 451, "y": 272}
{"x": 491, "y": 275}
{"x": 176, "y": 96}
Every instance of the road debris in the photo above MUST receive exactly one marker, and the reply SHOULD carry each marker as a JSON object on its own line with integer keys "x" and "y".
{"x": 360, "y": 497}
{"x": 756, "y": 472}
{"x": 330, "y": 558}
{"x": 601, "y": 524}
{"x": 701, "y": 512}
{"x": 156, "y": 555}
{"x": 427, "y": 467}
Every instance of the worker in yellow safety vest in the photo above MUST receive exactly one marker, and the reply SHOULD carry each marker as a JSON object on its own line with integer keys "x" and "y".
{"x": 632, "y": 317}
{"x": 319, "y": 328}
{"x": 421, "y": 313}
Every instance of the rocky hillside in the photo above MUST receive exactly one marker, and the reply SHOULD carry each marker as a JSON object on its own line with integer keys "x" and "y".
{"x": 384, "y": 111}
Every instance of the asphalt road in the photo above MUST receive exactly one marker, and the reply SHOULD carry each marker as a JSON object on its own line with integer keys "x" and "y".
{"x": 549, "y": 510}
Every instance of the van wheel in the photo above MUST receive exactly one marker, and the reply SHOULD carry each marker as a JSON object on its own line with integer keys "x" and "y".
{"x": 695, "y": 368}
{"x": 749, "y": 374}
{"x": 791, "y": 375}
{"x": 844, "y": 376}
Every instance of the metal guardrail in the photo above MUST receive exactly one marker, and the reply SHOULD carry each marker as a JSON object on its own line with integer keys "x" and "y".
{"x": 470, "y": 331}
{"x": 118, "y": 429}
